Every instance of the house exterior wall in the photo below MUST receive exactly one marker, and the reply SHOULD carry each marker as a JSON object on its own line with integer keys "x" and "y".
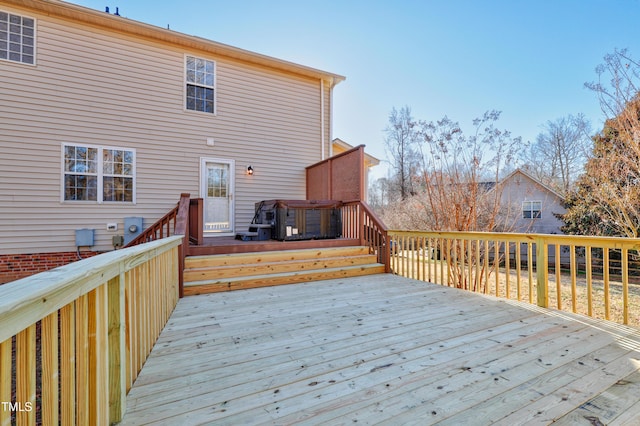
{"x": 519, "y": 188}
{"x": 100, "y": 87}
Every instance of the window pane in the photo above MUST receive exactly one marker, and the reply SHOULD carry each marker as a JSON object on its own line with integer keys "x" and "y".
{"x": 20, "y": 33}
{"x": 83, "y": 166}
{"x": 200, "y": 76}
{"x": 79, "y": 187}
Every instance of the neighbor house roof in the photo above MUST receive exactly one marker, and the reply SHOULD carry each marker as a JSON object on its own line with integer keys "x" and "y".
{"x": 92, "y": 17}
{"x": 536, "y": 181}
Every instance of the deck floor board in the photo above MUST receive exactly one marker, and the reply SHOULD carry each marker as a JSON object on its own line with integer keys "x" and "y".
{"x": 383, "y": 350}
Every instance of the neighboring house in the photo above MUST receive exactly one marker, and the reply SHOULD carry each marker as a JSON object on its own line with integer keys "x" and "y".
{"x": 532, "y": 206}
{"x": 105, "y": 121}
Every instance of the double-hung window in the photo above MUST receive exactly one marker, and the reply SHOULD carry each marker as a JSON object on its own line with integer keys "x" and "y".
{"x": 17, "y": 38}
{"x": 98, "y": 174}
{"x": 200, "y": 89}
{"x": 531, "y": 209}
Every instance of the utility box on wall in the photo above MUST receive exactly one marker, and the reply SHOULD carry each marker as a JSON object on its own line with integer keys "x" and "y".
{"x": 84, "y": 237}
{"x": 132, "y": 228}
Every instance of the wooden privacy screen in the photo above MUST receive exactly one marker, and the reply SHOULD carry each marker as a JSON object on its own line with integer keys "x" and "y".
{"x": 341, "y": 177}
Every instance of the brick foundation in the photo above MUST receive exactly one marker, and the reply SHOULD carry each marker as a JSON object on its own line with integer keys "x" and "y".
{"x": 16, "y": 266}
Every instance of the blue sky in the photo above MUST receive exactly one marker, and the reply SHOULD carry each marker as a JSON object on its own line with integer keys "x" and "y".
{"x": 459, "y": 58}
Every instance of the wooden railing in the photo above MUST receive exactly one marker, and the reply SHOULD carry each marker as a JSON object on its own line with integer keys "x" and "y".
{"x": 185, "y": 220}
{"x": 73, "y": 339}
{"x": 359, "y": 222}
{"x": 594, "y": 276}
{"x": 166, "y": 225}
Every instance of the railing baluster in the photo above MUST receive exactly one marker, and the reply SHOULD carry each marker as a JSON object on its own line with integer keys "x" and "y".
{"x": 470, "y": 285}
{"x": 530, "y": 269}
{"x": 455, "y": 266}
{"x": 589, "y": 282}
{"x": 625, "y": 285}
{"x": 448, "y": 255}
{"x": 26, "y": 375}
{"x": 558, "y": 267}
{"x": 573, "y": 269}
{"x": 82, "y": 360}
{"x": 507, "y": 268}
{"x": 496, "y": 266}
{"x": 605, "y": 277}
{"x": 486, "y": 266}
{"x": 478, "y": 279}
{"x": 6, "y": 368}
{"x": 67, "y": 364}
{"x": 518, "y": 270}
{"x": 50, "y": 378}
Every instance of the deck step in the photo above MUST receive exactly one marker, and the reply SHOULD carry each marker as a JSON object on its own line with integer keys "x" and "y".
{"x": 272, "y": 256}
{"x": 238, "y": 283}
{"x": 207, "y": 274}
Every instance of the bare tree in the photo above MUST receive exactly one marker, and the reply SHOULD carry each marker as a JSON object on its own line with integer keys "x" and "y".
{"x": 380, "y": 193}
{"x": 560, "y": 151}
{"x": 459, "y": 174}
{"x": 456, "y": 190}
{"x": 400, "y": 140}
{"x": 607, "y": 198}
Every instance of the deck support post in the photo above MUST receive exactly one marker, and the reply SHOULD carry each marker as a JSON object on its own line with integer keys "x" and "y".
{"x": 542, "y": 273}
{"x": 117, "y": 348}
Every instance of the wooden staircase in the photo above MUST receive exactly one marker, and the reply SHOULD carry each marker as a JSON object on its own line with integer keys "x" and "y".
{"x": 215, "y": 273}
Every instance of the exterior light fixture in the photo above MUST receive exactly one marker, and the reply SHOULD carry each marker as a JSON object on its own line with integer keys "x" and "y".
{"x": 250, "y": 170}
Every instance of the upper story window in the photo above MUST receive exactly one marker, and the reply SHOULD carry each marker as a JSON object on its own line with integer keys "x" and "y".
{"x": 200, "y": 84}
{"x": 531, "y": 209}
{"x": 17, "y": 38}
{"x": 98, "y": 174}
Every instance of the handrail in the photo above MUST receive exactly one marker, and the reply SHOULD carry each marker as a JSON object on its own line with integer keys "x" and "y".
{"x": 182, "y": 229}
{"x": 97, "y": 320}
{"x": 586, "y": 274}
{"x": 163, "y": 226}
{"x": 359, "y": 221}
{"x": 179, "y": 217}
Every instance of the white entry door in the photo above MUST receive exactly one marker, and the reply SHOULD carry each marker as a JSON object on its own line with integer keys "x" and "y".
{"x": 216, "y": 177}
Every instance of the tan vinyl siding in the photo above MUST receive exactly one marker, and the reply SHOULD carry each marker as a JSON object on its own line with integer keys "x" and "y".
{"x": 101, "y": 88}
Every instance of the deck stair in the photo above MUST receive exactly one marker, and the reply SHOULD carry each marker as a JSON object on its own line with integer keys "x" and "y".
{"x": 215, "y": 273}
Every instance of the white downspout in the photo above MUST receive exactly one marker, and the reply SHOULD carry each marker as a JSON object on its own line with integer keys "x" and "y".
{"x": 331, "y": 118}
{"x": 322, "y": 116}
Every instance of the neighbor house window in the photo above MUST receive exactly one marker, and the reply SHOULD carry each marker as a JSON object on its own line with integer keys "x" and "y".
{"x": 531, "y": 209}
{"x": 200, "y": 84}
{"x": 98, "y": 174}
{"x": 17, "y": 38}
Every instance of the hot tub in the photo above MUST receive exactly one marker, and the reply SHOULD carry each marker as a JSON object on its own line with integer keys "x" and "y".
{"x": 300, "y": 219}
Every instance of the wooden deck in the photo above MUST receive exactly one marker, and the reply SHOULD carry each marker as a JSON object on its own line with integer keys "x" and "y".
{"x": 384, "y": 350}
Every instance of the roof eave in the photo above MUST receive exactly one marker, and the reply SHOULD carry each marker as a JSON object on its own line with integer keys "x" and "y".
{"x": 64, "y": 10}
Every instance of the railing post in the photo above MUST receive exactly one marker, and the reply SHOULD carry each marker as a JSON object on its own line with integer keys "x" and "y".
{"x": 542, "y": 273}
{"x": 117, "y": 348}
{"x": 182, "y": 228}
{"x": 361, "y": 225}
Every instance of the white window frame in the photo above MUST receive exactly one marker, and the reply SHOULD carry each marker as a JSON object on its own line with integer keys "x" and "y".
{"x": 213, "y": 87}
{"x": 100, "y": 174}
{"x": 529, "y": 211}
{"x": 21, "y": 41}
